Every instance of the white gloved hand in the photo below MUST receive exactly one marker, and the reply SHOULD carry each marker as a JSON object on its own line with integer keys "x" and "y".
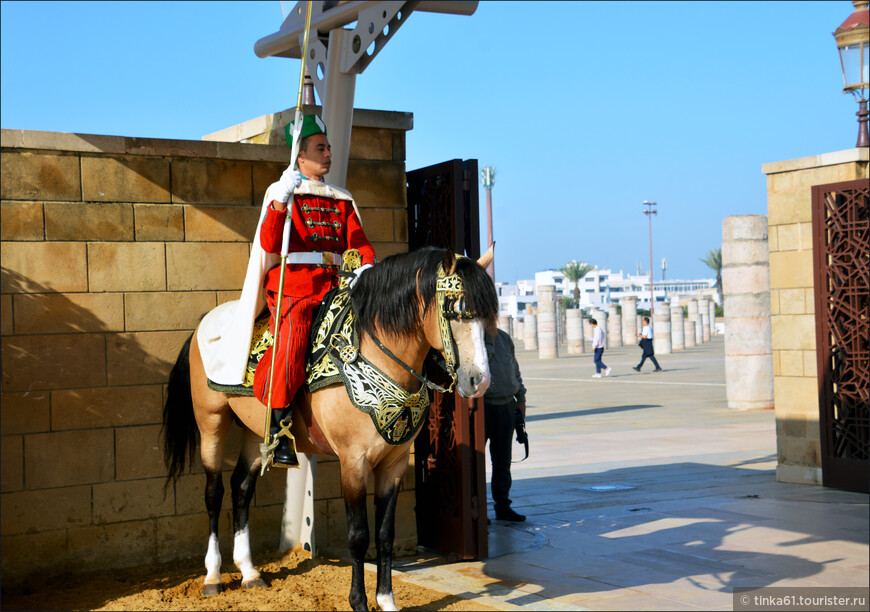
{"x": 357, "y": 273}
{"x": 289, "y": 181}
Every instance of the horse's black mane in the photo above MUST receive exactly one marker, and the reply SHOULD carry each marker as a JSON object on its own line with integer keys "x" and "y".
{"x": 385, "y": 297}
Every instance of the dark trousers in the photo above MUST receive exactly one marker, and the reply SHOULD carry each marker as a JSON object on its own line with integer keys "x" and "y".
{"x": 499, "y": 426}
{"x": 647, "y": 346}
{"x": 599, "y": 365}
{"x": 651, "y": 358}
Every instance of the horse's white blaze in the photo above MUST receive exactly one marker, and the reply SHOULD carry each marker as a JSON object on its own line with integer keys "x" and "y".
{"x": 386, "y": 601}
{"x": 242, "y": 556}
{"x": 480, "y": 358}
{"x": 213, "y": 561}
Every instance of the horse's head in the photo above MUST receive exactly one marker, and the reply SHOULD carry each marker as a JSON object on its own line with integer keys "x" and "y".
{"x": 445, "y": 301}
{"x": 466, "y": 306}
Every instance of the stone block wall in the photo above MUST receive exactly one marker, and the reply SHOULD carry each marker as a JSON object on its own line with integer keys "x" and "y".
{"x": 793, "y": 321}
{"x": 112, "y": 250}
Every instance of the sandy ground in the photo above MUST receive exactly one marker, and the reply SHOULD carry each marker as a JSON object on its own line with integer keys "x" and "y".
{"x": 296, "y": 583}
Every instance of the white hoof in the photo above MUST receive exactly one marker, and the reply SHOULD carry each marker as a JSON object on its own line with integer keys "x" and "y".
{"x": 386, "y": 602}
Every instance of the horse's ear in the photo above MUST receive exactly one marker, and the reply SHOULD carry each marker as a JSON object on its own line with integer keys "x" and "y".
{"x": 448, "y": 264}
{"x": 486, "y": 258}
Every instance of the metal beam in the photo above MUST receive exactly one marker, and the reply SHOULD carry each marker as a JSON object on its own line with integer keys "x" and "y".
{"x": 286, "y": 41}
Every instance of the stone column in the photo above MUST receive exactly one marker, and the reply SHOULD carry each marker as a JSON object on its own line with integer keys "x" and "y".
{"x": 678, "y": 330}
{"x": 689, "y": 333}
{"x": 704, "y": 317}
{"x": 662, "y": 331}
{"x": 614, "y": 331}
{"x": 519, "y": 330}
{"x": 629, "y": 320}
{"x": 548, "y": 341}
{"x": 574, "y": 325}
{"x": 504, "y": 324}
{"x": 530, "y": 330}
{"x": 692, "y": 314}
{"x": 746, "y": 287}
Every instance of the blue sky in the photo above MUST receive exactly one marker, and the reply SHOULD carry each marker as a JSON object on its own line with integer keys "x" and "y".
{"x": 585, "y": 109}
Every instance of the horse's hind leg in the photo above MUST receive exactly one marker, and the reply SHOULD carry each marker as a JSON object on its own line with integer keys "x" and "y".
{"x": 353, "y": 483}
{"x": 244, "y": 482}
{"x": 387, "y": 480}
{"x": 214, "y": 493}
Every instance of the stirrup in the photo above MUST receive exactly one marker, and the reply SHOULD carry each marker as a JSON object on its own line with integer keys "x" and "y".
{"x": 288, "y": 457}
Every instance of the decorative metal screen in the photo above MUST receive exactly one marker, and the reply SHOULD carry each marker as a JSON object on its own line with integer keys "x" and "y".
{"x": 449, "y": 452}
{"x": 841, "y": 228}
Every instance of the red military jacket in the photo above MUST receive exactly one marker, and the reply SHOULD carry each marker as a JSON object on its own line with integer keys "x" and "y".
{"x": 324, "y": 219}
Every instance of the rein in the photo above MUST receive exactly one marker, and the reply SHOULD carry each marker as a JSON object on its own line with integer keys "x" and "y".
{"x": 420, "y": 377}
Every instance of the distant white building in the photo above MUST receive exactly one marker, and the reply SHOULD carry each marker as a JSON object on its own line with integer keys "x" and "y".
{"x": 600, "y": 288}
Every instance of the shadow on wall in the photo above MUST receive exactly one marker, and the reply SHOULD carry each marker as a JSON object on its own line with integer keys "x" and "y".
{"x": 55, "y": 341}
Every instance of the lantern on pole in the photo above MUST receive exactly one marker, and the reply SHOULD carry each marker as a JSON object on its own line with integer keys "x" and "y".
{"x": 853, "y": 45}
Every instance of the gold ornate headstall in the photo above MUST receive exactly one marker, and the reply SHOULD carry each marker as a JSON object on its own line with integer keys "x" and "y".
{"x": 450, "y": 298}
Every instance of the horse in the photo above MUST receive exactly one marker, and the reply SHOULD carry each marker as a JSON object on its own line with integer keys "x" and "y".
{"x": 406, "y": 305}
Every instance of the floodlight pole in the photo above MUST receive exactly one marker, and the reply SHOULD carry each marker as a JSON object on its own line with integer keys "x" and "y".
{"x": 488, "y": 177}
{"x": 649, "y": 212}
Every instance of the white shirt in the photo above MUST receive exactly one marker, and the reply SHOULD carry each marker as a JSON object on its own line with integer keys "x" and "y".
{"x": 598, "y": 338}
{"x": 647, "y": 332}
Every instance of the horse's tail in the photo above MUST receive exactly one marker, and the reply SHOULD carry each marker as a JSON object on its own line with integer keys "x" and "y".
{"x": 179, "y": 425}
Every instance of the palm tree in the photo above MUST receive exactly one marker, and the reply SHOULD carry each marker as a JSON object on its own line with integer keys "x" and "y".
{"x": 574, "y": 271}
{"x": 713, "y": 260}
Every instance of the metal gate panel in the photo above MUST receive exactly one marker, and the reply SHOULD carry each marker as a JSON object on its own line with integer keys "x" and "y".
{"x": 841, "y": 231}
{"x": 449, "y": 452}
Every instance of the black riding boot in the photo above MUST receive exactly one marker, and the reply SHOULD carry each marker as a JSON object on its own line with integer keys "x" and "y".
{"x": 285, "y": 452}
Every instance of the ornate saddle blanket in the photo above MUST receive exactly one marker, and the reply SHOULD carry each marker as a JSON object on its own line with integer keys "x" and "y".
{"x": 332, "y": 357}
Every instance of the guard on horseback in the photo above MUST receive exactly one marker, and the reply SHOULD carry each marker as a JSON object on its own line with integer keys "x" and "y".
{"x": 324, "y": 222}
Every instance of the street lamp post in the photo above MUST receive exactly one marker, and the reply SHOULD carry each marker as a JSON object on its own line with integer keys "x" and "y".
{"x": 854, "y": 50}
{"x": 649, "y": 212}
{"x": 488, "y": 177}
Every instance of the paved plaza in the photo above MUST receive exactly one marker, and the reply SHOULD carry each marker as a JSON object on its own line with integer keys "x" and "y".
{"x": 645, "y": 492}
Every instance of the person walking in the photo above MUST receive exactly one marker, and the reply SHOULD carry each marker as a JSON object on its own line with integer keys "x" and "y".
{"x": 598, "y": 349}
{"x": 646, "y": 343}
{"x": 505, "y": 396}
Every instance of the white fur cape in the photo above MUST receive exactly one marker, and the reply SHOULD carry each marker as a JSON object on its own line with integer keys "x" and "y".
{"x": 224, "y": 336}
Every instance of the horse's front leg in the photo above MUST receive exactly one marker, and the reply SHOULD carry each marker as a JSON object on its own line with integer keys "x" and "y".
{"x": 353, "y": 483}
{"x": 244, "y": 483}
{"x": 387, "y": 480}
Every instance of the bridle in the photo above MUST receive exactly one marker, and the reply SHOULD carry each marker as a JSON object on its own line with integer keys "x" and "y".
{"x": 450, "y": 304}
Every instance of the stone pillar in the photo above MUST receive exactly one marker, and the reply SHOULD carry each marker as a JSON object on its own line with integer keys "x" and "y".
{"x": 530, "y": 330}
{"x": 692, "y": 314}
{"x": 548, "y": 341}
{"x": 504, "y": 324}
{"x": 678, "y": 330}
{"x": 519, "y": 330}
{"x": 574, "y": 325}
{"x": 614, "y": 331}
{"x": 629, "y": 320}
{"x": 662, "y": 331}
{"x": 639, "y": 322}
{"x": 689, "y": 333}
{"x": 704, "y": 317}
{"x": 746, "y": 287}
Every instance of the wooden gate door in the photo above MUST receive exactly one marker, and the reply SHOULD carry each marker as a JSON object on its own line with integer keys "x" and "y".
{"x": 449, "y": 452}
{"x": 841, "y": 232}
